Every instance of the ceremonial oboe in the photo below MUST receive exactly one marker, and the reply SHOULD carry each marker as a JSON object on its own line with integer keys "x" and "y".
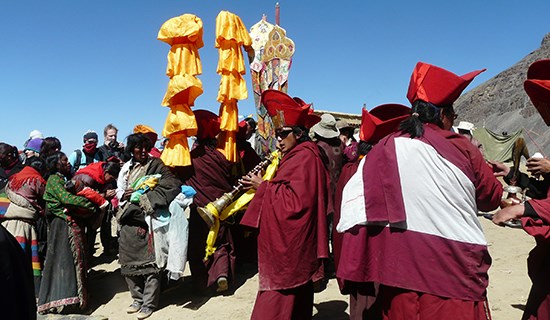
{"x": 216, "y": 207}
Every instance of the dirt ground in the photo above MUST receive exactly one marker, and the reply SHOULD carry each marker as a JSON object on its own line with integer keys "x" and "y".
{"x": 508, "y": 288}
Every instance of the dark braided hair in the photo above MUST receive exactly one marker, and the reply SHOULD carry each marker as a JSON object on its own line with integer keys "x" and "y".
{"x": 423, "y": 112}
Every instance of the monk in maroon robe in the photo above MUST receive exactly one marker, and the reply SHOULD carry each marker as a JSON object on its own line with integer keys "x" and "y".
{"x": 289, "y": 212}
{"x": 211, "y": 176}
{"x": 375, "y": 124}
{"x": 535, "y": 213}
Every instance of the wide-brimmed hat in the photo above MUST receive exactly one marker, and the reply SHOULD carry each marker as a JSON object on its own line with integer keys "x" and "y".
{"x": 436, "y": 85}
{"x": 208, "y": 124}
{"x": 326, "y": 128}
{"x": 381, "y": 121}
{"x": 537, "y": 87}
{"x": 284, "y": 110}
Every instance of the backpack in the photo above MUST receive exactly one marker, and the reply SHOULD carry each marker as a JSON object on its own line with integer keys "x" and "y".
{"x": 78, "y": 160}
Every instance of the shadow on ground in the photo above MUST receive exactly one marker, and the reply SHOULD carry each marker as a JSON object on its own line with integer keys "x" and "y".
{"x": 181, "y": 292}
{"x": 331, "y": 310}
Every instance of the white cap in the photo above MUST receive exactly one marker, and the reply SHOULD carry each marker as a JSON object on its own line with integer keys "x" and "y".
{"x": 36, "y": 134}
{"x": 464, "y": 125}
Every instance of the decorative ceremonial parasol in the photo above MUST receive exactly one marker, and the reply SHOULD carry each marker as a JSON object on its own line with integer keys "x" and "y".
{"x": 184, "y": 35}
{"x": 231, "y": 34}
{"x": 269, "y": 70}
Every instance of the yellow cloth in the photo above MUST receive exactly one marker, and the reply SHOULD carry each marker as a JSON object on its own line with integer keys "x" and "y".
{"x": 184, "y": 35}
{"x": 236, "y": 206}
{"x": 180, "y": 120}
{"x": 229, "y": 116}
{"x": 142, "y": 128}
{"x": 182, "y": 29}
{"x": 176, "y": 152}
{"x": 232, "y": 87}
{"x": 183, "y": 58}
{"x": 182, "y": 89}
{"x": 149, "y": 181}
{"x": 231, "y": 34}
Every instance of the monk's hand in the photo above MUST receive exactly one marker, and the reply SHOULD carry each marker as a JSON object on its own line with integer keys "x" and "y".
{"x": 538, "y": 166}
{"x": 251, "y": 181}
{"x": 507, "y": 214}
{"x": 499, "y": 168}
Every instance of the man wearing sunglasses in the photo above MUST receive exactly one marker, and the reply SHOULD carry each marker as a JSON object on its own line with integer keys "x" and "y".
{"x": 289, "y": 212}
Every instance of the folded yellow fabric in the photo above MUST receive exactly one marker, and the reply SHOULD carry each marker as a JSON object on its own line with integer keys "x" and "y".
{"x": 184, "y": 35}
{"x": 183, "y": 29}
{"x": 182, "y": 89}
{"x": 176, "y": 152}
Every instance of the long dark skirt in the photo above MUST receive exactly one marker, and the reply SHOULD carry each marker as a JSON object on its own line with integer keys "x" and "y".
{"x": 63, "y": 286}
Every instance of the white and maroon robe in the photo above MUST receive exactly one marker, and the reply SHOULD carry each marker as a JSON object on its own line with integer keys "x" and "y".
{"x": 420, "y": 232}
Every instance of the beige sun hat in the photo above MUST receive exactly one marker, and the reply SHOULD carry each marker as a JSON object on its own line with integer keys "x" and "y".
{"x": 326, "y": 128}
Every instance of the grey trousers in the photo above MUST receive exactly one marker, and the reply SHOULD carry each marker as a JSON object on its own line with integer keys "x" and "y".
{"x": 145, "y": 289}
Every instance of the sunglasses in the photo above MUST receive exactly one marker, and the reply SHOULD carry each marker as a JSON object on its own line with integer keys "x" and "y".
{"x": 282, "y": 134}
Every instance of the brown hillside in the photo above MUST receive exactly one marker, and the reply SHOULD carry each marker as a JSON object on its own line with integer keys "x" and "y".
{"x": 501, "y": 104}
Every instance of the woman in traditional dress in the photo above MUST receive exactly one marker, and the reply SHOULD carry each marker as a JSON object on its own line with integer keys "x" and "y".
{"x": 25, "y": 190}
{"x": 136, "y": 248}
{"x": 63, "y": 287}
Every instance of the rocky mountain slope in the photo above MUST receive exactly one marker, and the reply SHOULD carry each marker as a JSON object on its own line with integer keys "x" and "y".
{"x": 501, "y": 103}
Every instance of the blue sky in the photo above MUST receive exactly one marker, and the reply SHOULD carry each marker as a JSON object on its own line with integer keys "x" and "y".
{"x": 70, "y": 66}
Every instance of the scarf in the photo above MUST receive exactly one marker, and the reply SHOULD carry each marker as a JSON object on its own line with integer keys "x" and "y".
{"x": 89, "y": 148}
{"x": 26, "y": 175}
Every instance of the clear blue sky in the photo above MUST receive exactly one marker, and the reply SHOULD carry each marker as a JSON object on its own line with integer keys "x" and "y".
{"x": 69, "y": 66}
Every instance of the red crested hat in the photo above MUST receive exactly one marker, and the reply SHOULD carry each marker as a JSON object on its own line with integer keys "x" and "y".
{"x": 381, "y": 121}
{"x": 241, "y": 134}
{"x": 537, "y": 87}
{"x": 284, "y": 110}
{"x": 312, "y": 119}
{"x": 208, "y": 124}
{"x": 437, "y": 85}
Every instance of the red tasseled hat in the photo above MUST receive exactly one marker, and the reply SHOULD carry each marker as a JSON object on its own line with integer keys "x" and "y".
{"x": 537, "y": 87}
{"x": 437, "y": 85}
{"x": 208, "y": 124}
{"x": 284, "y": 110}
{"x": 381, "y": 121}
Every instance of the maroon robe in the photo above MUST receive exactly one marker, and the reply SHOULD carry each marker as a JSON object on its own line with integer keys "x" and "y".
{"x": 362, "y": 294}
{"x": 290, "y": 213}
{"x": 538, "y": 263}
{"x": 347, "y": 172}
{"x": 210, "y": 175}
{"x": 403, "y": 246}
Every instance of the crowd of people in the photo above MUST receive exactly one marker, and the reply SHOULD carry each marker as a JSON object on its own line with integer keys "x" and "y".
{"x": 390, "y": 210}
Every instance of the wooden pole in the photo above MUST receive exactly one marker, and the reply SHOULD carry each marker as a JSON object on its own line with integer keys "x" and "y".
{"x": 277, "y": 14}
